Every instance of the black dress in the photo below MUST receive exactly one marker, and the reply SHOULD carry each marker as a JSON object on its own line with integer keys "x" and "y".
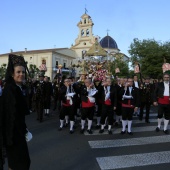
{"x": 48, "y": 94}
{"x": 14, "y": 127}
{"x": 1, "y": 140}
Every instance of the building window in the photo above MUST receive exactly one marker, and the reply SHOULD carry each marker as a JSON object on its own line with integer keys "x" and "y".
{"x": 84, "y": 21}
{"x": 56, "y": 63}
{"x": 83, "y": 54}
{"x": 64, "y": 65}
{"x": 82, "y": 32}
{"x": 87, "y": 32}
{"x": 43, "y": 61}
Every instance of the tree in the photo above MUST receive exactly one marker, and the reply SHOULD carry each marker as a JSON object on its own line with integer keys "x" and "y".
{"x": 122, "y": 65}
{"x": 3, "y": 71}
{"x": 33, "y": 70}
{"x": 151, "y": 55}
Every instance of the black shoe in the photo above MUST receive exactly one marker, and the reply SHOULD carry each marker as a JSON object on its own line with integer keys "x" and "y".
{"x": 71, "y": 131}
{"x": 106, "y": 127}
{"x": 157, "y": 129}
{"x": 101, "y": 130}
{"x": 109, "y": 132}
{"x": 147, "y": 121}
{"x": 82, "y": 131}
{"x": 60, "y": 129}
{"x": 90, "y": 131}
{"x": 74, "y": 127}
{"x": 123, "y": 132}
{"x": 166, "y": 132}
{"x": 66, "y": 124}
{"x": 98, "y": 126}
{"x": 130, "y": 133}
{"x": 116, "y": 124}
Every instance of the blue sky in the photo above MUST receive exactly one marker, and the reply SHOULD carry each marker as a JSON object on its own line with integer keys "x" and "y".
{"x": 43, "y": 24}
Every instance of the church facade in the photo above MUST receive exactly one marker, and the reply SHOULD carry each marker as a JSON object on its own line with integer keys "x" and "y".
{"x": 67, "y": 56}
{"x": 51, "y": 57}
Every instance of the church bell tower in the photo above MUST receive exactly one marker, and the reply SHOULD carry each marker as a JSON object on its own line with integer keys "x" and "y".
{"x": 85, "y": 36}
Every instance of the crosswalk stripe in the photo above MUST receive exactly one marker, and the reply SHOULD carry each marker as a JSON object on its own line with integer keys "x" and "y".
{"x": 135, "y": 160}
{"x": 152, "y": 115}
{"x": 128, "y": 142}
{"x": 143, "y": 121}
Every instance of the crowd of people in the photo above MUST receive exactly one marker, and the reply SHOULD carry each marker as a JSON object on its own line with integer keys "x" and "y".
{"x": 114, "y": 102}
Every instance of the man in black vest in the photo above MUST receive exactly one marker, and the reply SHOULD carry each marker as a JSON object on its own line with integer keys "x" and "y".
{"x": 88, "y": 93}
{"x": 40, "y": 97}
{"x": 108, "y": 94}
{"x": 162, "y": 99}
{"x": 146, "y": 93}
{"x": 67, "y": 94}
{"x": 137, "y": 84}
{"x": 48, "y": 95}
{"x": 130, "y": 103}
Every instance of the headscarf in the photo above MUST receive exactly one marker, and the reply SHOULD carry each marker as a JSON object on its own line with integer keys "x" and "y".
{"x": 14, "y": 60}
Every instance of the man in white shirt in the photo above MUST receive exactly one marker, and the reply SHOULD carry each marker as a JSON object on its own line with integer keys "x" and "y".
{"x": 162, "y": 99}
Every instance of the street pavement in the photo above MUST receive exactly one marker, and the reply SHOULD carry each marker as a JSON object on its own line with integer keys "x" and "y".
{"x": 51, "y": 149}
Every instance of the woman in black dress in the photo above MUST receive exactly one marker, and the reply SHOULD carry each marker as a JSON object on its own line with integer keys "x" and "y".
{"x": 15, "y": 108}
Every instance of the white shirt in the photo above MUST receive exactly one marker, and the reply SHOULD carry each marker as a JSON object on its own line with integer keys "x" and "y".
{"x": 136, "y": 84}
{"x": 166, "y": 91}
{"x": 130, "y": 90}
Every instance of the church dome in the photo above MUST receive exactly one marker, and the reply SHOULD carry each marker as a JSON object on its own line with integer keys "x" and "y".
{"x": 108, "y": 42}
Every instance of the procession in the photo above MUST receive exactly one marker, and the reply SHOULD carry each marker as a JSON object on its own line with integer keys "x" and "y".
{"x": 113, "y": 101}
{"x": 98, "y": 103}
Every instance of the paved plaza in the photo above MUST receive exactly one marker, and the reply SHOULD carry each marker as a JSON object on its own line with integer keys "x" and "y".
{"x": 51, "y": 149}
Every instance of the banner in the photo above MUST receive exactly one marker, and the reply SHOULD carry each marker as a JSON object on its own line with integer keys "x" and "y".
{"x": 43, "y": 67}
{"x": 137, "y": 68}
{"x": 117, "y": 70}
{"x": 165, "y": 67}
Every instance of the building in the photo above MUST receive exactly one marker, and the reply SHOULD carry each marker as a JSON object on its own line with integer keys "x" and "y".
{"x": 67, "y": 56}
{"x": 51, "y": 57}
{"x": 110, "y": 45}
{"x": 85, "y": 37}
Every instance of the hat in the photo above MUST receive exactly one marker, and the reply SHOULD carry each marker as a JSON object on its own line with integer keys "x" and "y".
{"x": 15, "y": 59}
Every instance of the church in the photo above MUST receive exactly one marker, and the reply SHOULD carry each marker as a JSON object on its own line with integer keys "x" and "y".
{"x": 51, "y": 58}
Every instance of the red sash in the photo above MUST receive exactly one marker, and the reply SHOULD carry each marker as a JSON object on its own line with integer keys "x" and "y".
{"x": 67, "y": 103}
{"x": 108, "y": 102}
{"x": 128, "y": 105}
{"x": 164, "y": 100}
{"x": 87, "y": 104}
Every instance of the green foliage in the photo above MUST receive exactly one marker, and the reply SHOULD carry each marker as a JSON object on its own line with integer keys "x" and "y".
{"x": 3, "y": 71}
{"x": 33, "y": 70}
{"x": 122, "y": 65}
{"x": 150, "y": 54}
